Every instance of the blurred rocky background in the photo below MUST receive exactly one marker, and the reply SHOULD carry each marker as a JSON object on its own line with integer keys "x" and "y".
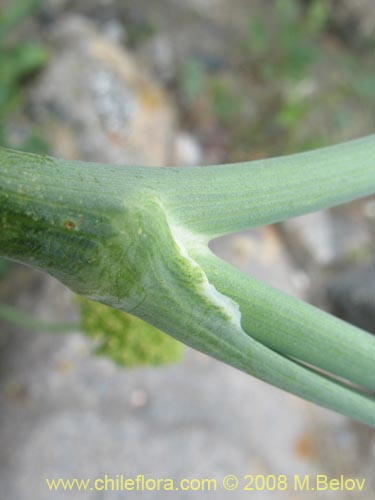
{"x": 166, "y": 82}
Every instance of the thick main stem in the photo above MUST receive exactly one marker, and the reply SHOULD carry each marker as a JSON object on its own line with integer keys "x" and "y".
{"x": 127, "y": 236}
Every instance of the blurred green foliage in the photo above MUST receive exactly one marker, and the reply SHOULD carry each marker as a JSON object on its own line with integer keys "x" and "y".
{"x": 288, "y": 83}
{"x": 225, "y": 101}
{"x": 287, "y": 48}
{"x": 126, "y": 339}
{"x": 193, "y": 79}
{"x": 219, "y": 93}
{"x": 4, "y": 265}
{"x": 18, "y": 61}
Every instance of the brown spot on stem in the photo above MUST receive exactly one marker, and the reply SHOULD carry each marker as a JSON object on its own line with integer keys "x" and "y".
{"x": 69, "y": 225}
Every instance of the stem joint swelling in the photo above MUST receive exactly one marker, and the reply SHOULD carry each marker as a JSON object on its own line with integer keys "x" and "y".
{"x": 136, "y": 239}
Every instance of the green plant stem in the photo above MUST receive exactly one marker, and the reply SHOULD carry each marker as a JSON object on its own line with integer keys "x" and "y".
{"x": 136, "y": 239}
{"x": 14, "y": 316}
{"x": 216, "y": 200}
{"x": 293, "y": 328}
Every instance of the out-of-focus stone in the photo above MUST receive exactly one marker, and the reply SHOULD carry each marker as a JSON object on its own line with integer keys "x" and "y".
{"x": 187, "y": 150}
{"x": 314, "y": 233}
{"x": 95, "y": 102}
{"x": 369, "y": 209}
{"x": 352, "y": 296}
{"x": 356, "y": 16}
{"x": 324, "y": 238}
{"x": 261, "y": 253}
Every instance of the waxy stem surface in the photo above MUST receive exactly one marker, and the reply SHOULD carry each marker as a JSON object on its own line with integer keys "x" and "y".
{"x": 136, "y": 239}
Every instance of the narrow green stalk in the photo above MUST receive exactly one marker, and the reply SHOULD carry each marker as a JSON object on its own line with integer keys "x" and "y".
{"x": 293, "y": 328}
{"x": 14, "y": 316}
{"x": 217, "y": 200}
{"x": 136, "y": 239}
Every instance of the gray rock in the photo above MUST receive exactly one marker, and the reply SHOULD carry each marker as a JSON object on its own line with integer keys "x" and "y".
{"x": 355, "y": 16}
{"x": 315, "y": 233}
{"x": 187, "y": 150}
{"x": 326, "y": 237}
{"x": 95, "y": 102}
{"x": 352, "y": 296}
